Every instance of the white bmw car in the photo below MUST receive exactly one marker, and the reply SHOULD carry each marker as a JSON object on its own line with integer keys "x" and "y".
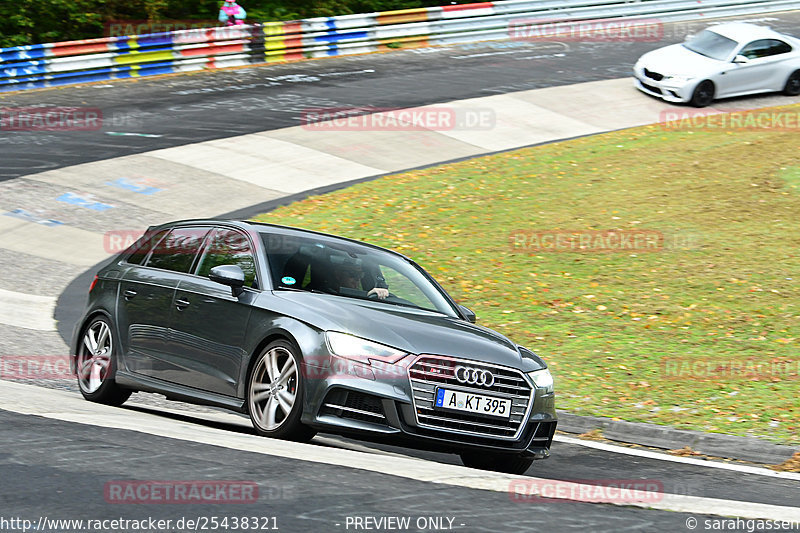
{"x": 723, "y": 61}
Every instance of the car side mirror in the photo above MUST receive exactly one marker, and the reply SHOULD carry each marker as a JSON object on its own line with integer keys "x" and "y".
{"x": 230, "y": 275}
{"x": 468, "y": 313}
{"x": 740, "y": 59}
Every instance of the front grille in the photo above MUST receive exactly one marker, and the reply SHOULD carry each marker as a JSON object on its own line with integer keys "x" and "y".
{"x": 653, "y": 75}
{"x": 429, "y": 372}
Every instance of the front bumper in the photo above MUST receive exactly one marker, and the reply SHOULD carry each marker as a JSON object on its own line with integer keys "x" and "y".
{"x": 664, "y": 88}
{"x": 385, "y": 409}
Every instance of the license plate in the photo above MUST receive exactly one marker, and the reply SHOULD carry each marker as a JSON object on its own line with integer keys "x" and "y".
{"x": 473, "y": 403}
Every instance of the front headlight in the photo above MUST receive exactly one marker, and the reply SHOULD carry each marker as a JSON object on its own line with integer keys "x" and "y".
{"x": 542, "y": 379}
{"x": 358, "y": 349}
{"x": 678, "y": 80}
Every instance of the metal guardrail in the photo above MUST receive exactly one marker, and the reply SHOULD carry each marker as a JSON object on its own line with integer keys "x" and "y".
{"x": 52, "y": 64}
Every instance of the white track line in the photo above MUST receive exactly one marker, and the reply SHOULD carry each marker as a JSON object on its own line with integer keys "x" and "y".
{"x": 60, "y": 405}
{"x": 241, "y": 420}
{"x": 27, "y": 311}
{"x": 676, "y": 459}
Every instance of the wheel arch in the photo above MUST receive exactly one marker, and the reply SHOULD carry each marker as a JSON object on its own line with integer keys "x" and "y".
{"x": 266, "y": 341}
{"x": 303, "y": 336}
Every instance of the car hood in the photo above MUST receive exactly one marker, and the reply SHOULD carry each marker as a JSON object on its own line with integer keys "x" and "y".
{"x": 411, "y": 330}
{"x": 677, "y": 60}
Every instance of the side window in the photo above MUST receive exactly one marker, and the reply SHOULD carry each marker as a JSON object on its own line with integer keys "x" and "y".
{"x": 229, "y": 247}
{"x": 177, "y": 250}
{"x": 765, "y": 48}
{"x": 779, "y": 47}
{"x": 142, "y": 247}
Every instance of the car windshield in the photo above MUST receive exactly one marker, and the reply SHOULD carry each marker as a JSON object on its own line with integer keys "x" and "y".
{"x": 325, "y": 264}
{"x": 711, "y": 45}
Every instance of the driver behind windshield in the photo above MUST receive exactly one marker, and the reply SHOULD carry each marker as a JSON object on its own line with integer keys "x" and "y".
{"x": 350, "y": 274}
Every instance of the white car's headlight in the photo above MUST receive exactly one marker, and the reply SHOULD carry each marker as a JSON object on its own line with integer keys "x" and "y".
{"x": 542, "y": 379}
{"x": 358, "y": 349}
{"x": 678, "y": 80}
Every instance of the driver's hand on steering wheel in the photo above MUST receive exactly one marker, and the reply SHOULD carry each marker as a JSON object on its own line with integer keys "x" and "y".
{"x": 380, "y": 293}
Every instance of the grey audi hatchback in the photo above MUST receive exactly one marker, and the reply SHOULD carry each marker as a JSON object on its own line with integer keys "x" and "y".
{"x": 309, "y": 332}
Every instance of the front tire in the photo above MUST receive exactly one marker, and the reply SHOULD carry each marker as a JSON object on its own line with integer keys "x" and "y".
{"x": 497, "y": 462}
{"x": 94, "y": 364}
{"x": 275, "y": 393}
{"x": 703, "y": 94}
{"x": 792, "y": 87}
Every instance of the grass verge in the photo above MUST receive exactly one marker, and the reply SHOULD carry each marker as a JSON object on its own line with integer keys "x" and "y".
{"x": 701, "y": 331}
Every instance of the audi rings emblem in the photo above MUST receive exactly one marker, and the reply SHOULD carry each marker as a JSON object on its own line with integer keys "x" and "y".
{"x": 474, "y": 376}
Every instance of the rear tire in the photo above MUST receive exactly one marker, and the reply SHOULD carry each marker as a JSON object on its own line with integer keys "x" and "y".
{"x": 496, "y": 462}
{"x": 275, "y": 390}
{"x": 703, "y": 94}
{"x": 792, "y": 87}
{"x": 94, "y": 365}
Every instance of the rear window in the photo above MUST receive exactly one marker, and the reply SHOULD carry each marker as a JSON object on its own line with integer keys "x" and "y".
{"x": 139, "y": 250}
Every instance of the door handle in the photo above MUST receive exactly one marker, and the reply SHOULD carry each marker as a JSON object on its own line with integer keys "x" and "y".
{"x": 129, "y": 294}
{"x": 182, "y": 304}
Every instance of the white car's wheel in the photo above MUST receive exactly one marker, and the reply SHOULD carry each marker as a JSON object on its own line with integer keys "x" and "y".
{"x": 703, "y": 94}
{"x": 792, "y": 87}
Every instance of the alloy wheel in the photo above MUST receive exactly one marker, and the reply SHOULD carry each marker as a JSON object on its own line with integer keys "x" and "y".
{"x": 94, "y": 357}
{"x": 273, "y": 388}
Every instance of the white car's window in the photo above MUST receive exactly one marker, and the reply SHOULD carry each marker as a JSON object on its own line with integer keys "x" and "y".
{"x": 710, "y": 44}
{"x": 765, "y": 48}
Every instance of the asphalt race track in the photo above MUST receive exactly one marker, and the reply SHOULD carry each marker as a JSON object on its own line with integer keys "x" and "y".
{"x": 60, "y": 454}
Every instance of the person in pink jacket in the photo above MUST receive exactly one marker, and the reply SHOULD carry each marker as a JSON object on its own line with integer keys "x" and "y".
{"x": 232, "y": 14}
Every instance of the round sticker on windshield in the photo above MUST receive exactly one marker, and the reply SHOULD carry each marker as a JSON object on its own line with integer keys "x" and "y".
{"x": 288, "y": 280}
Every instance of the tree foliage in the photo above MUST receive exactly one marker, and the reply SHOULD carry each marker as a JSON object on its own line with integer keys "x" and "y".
{"x": 39, "y": 21}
